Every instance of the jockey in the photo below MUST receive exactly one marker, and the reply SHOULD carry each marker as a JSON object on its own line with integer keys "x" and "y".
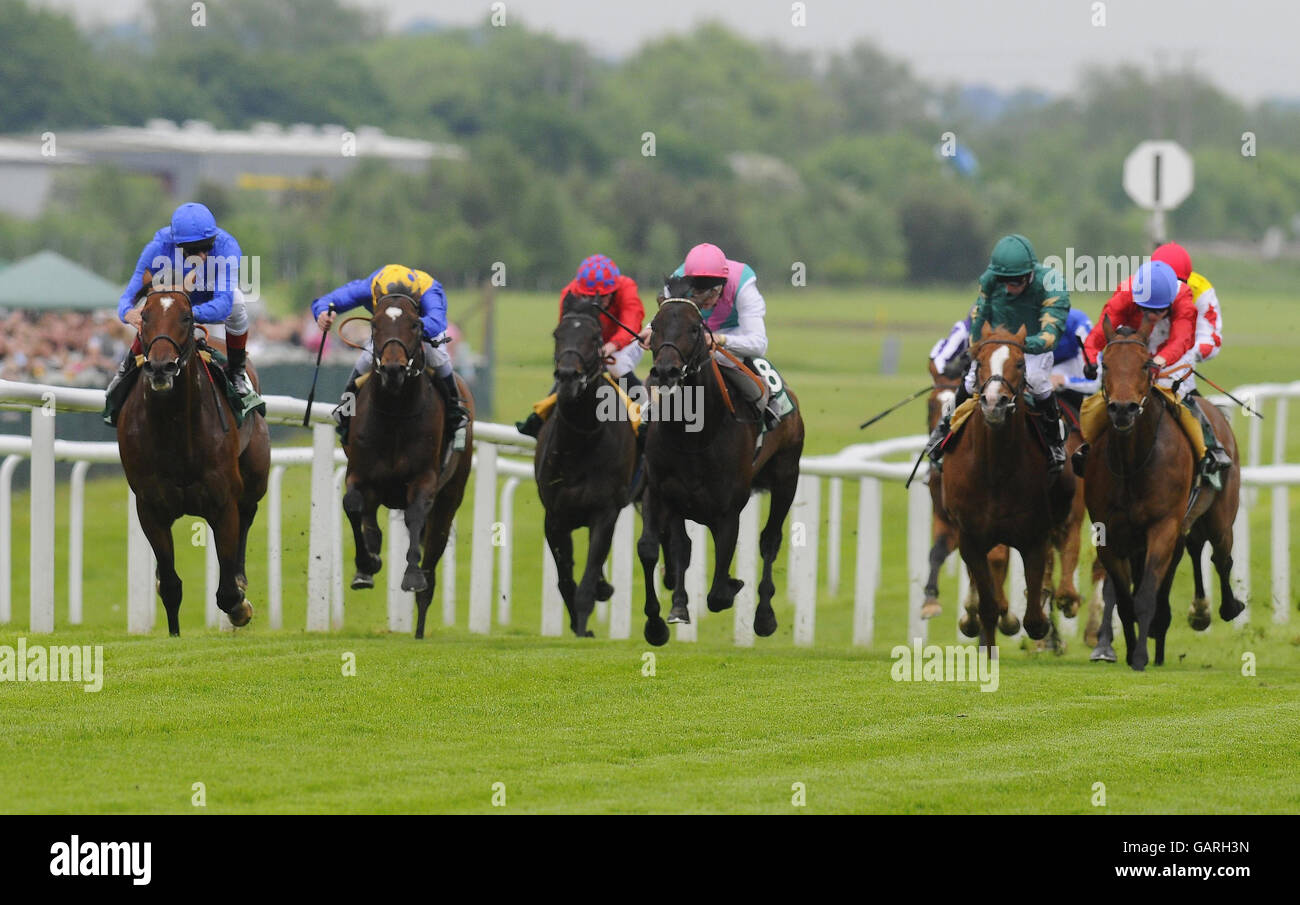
{"x": 599, "y": 280}
{"x": 1017, "y": 291}
{"x": 951, "y": 355}
{"x": 395, "y": 279}
{"x": 1209, "y": 317}
{"x": 726, "y": 292}
{"x": 1068, "y": 361}
{"x": 194, "y": 233}
{"x": 1156, "y": 288}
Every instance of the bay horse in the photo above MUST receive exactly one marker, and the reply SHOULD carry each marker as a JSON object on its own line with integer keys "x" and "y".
{"x": 996, "y": 486}
{"x": 183, "y": 455}
{"x": 583, "y": 462}
{"x": 1139, "y": 479}
{"x": 395, "y": 454}
{"x": 704, "y": 470}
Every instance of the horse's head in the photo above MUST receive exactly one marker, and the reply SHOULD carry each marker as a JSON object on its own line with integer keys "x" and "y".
{"x": 1000, "y": 372}
{"x": 397, "y": 337}
{"x": 678, "y": 342}
{"x": 577, "y": 346}
{"x": 1127, "y": 373}
{"x": 166, "y": 331}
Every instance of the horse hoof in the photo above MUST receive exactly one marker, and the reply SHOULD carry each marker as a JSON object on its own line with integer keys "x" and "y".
{"x": 1104, "y": 654}
{"x": 1231, "y": 609}
{"x": 1068, "y": 605}
{"x": 656, "y": 632}
{"x": 588, "y": 634}
{"x": 718, "y": 604}
{"x": 969, "y": 625}
{"x": 376, "y": 563}
{"x": 1138, "y": 662}
{"x": 604, "y": 590}
{"x": 1009, "y": 624}
{"x": 679, "y": 614}
{"x": 764, "y": 623}
{"x": 361, "y": 581}
{"x": 931, "y": 608}
{"x": 241, "y": 613}
{"x": 1037, "y": 630}
{"x": 414, "y": 580}
{"x": 1198, "y": 615}
{"x": 1090, "y": 635}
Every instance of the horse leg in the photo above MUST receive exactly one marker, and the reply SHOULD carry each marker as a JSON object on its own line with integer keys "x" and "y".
{"x": 1067, "y": 594}
{"x": 977, "y": 561}
{"x": 158, "y": 529}
{"x": 1221, "y": 555}
{"x": 1162, "y": 540}
{"x": 999, "y": 560}
{"x": 681, "y": 609}
{"x": 723, "y": 592}
{"x": 938, "y": 553}
{"x": 357, "y": 503}
{"x": 419, "y": 503}
{"x": 769, "y": 545}
{"x": 647, "y": 550}
{"x": 247, "y": 511}
{"x": 969, "y": 624}
{"x": 1198, "y": 615}
{"x": 1164, "y": 615}
{"x": 436, "y": 532}
{"x": 1095, "y": 604}
{"x": 230, "y": 597}
{"x": 600, "y": 537}
{"x": 1037, "y": 623}
{"x": 561, "y": 543}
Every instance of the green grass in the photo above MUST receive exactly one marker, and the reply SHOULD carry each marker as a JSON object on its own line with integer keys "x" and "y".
{"x": 266, "y": 720}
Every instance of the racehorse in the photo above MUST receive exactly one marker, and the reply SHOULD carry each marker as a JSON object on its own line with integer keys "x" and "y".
{"x": 183, "y": 455}
{"x": 583, "y": 461}
{"x": 1140, "y": 482}
{"x": 705, "y": 470}
{"x": 396, "y": 455}
{"x": 996, "y": 487}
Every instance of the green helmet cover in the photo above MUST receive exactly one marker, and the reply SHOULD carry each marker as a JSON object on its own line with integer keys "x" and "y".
{"x": 1012, "y": 256}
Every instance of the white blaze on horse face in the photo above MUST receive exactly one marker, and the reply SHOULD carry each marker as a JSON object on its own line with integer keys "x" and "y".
{"x": 393, "y": 313}
{"x": 166, "y": 302}
{"x": 997, "y": 361}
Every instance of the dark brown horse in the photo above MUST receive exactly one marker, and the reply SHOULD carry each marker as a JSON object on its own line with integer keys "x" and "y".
{"x": 996, "y": 486}
{"x": 704, "y": 469}
{"x": 183, "y": 455}
{"x": 395, "y": 454}
{"x": 584, "y": 460}
{"x": 1139, "y": 479}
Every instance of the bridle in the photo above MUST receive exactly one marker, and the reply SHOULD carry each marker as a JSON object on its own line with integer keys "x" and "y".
{"x": 691, "y": 364}
{"x": 1150, "y": 366}
{"x": 183, "y": 349}
{"x": 591, "y": 367}
{"x": 1016, "y": 390}
{"x": 414, "y": 360}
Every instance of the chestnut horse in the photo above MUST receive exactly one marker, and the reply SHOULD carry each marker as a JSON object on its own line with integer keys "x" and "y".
{"x": 183, "y": 455}
{"x": 996, "y": 487}
{"x": 705, "y": 470}
{"x": 583, "y": 461}
{"x": 395, "y": 454}
{"x": 1139, "y": 479}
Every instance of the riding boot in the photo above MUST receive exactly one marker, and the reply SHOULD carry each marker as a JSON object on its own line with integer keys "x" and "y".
{"x": 1216, "y": 457}
{"x": 1053, "y": 432}
{"x": 532, "y": 425}
{"x": 120, "y": 385}
{"x": 347, "y": 407}
{"x": 457, "y": 414}
{"x": 934, "y": 445}
{"x": 236, "y": 359}
{"x": 1079, "y": 458}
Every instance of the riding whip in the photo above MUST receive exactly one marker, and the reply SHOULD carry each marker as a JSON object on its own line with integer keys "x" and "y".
{"x": 306, "y": 416}
{"x": 894, "y": 407}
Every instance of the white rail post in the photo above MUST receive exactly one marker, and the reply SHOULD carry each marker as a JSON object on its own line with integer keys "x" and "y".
{"x": 552, "y": 603}
{"x": 1240, "y": 577}
{"x": 695, "y": 581}
{"x": 1016, "y": 599}
{"x": 620, "y": 605}
{"x": 338, "y": 565}
{"x": 1281, "y": 556}
{"x": 211, "y": 575}
{"x": 446, "y": 574}
{"x": 140, "y": 590}
{"x": 274, "y": 599}
{"x": 505, "y": 565}
{"x": 867, "y": 578}
{"x": 6, "y": 537}
{"x": 42, "y": 520}
{"x": 834, "y": 514}
{"x": 747, "y": 571}
{"x": 918, "y": 560}
{"x": 805, "y": 517}
{"x": 320, "y": 549}
{"x": 481, "y": 549}
{"x": 401, "y": 604}
{"x": 76, "y": 540}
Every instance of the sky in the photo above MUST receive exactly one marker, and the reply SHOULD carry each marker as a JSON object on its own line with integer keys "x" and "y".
{"x": 1245, "y": 47}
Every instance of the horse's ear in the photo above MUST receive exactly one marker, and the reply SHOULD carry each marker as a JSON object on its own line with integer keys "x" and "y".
{"x": 1149, "y": 322}
{"x": 143, "y": 289}
{"x": 986, "y": 330}
{"x": 1107, "y": 328}
{"x": 1021, "y": 333}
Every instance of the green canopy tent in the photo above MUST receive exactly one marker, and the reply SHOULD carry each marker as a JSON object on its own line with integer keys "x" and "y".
{"x": 47, "y": 281}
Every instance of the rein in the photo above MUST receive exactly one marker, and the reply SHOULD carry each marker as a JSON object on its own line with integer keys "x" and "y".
{"x": 414, "y": 360}
{"x": 1154, "y": 374}
{"x": 691, "y": 366}
{"x": 184, "y": 352}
